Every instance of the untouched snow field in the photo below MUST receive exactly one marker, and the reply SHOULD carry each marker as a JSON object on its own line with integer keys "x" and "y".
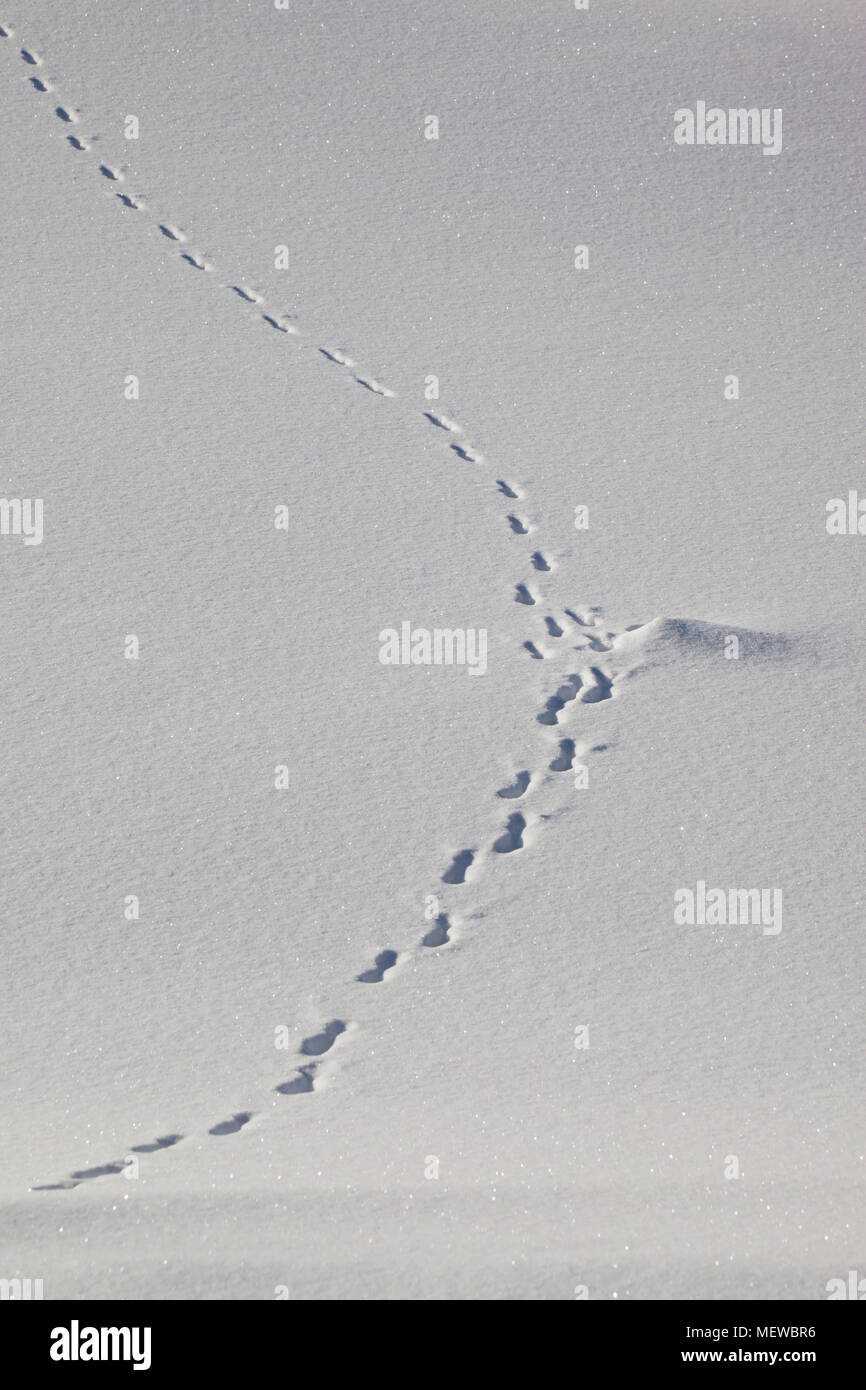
{"x": 364, "y": 980}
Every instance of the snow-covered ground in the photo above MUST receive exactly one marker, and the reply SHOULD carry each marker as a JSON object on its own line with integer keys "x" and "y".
{"x": 548, "y": 1081}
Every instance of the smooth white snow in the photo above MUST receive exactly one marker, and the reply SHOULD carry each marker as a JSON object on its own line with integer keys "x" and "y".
{"x": 442, "y": 1132}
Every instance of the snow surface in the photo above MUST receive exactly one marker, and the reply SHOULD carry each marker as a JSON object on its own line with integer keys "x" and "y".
{"x": 439, "y": 1134}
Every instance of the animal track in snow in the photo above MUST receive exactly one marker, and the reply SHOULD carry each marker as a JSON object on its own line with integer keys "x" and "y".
{"x": 375, "y": 386}
{"x": 300, "y": 1084}
{"x": 304, "y": 1079}
{"x": 564, "y": 760}
{"x": 517, "y": 788}
{"x": 77, "y": 144}
{"x": 83, "y": 1175}
{"x": 466, "y": 451}
{"x": 564, "y": 695}
{"x": 385, "y": 961}
{"x": 440, "y": 932}
{"x": 591, "y": 617}
{"x": 168, "y": 1141}
{"x": 443, "y": 422}
{"x": 32, "y": 58}
{"x": 232, "y": 1126}
{"x": 593, "y": 686}
{"x": 69, "y": 117}
{"x": 459, "y": 867}
{"x": 511, "y": 838}
{"x": 595, "y": 644}
{"x": 104, "y": 1170}
{"x": 320, "y": 1043}
{"x": 600, "y": 690}
{"x": 40, "y": 85}
{"x": 280, "y": 324}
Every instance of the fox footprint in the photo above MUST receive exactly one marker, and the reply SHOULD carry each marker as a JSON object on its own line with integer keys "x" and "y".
{"x": 459, "y": 867}
{"x": 600, "y": 689}
{"x": 316, "y": 1045}
{"x": 439, "y": 933}
{"x": 519, "y": 786}
{"x": 385, "y": 961}
{"x": 511, "y": 838}
{"x": 567, "y": 692}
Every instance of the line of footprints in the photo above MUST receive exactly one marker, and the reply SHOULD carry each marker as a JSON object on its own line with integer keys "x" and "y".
{"x": 590, "y": 685}
{"x": 581, "y": 632}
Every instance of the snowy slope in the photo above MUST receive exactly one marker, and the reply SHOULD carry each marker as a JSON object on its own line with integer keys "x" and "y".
{"x": 432, "y": 1130}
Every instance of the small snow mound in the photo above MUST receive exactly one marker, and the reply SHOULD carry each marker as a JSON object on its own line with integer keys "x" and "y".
{"x": 691, "y": 635}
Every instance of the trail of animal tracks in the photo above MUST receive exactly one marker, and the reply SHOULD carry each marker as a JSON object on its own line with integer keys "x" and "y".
{"x": 377, "y": 907}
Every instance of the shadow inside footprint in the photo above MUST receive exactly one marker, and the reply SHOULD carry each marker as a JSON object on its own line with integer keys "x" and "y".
{"x": 553, "y": 627}
{"x": 522, "y": 595}
{"x": 533, "y": 651}
{"x": 539, "y": 562}
{"x": 457, "y": 872}
{"x": 442, "y": 422}
{"x": 231, "y": 1126}
{"x": 167, "y": 1141}
{"x": 600, "y": 691}
{"x": 438, "y": 935}
{"x": 385, "y": 961}
{"x": 324, "y": 1041}
{"x": 466, "y": 452}
{"x": 521, "y": 782}
{"x": 565, "y": 758}
{"x": 557, "y": 702}
{"x": 298, "y": 1085}
{"x": 595, "y": 644}
{"x": 589, "y": 618}
{"x": 512, "y": 837}
{"x": 104, "y": 1171}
